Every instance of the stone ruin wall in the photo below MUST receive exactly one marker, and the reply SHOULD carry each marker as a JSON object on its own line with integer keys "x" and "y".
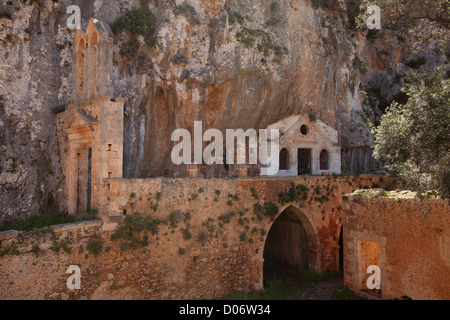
{"x": 210, "y": 259}
{"x": 229, "y": 84}
{"x": 104, "y": 135}
{"x": 411, "y": 240}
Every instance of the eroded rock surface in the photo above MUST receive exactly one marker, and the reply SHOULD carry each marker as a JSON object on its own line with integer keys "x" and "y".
{"x": 232, "y": 64}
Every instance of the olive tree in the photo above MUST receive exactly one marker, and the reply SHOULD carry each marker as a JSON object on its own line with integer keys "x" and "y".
{"x": 413, "y": 139}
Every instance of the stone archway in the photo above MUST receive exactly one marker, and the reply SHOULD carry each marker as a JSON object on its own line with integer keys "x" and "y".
{"x": 291, "y": 243}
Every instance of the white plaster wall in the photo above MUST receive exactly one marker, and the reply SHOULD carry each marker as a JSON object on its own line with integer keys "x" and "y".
{"x": 319, "y": 137}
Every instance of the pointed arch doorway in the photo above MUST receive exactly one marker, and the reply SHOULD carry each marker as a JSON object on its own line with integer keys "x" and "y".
{"x": 291, "y": 244}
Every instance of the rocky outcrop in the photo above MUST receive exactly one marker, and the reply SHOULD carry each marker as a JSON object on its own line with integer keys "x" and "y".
{"x": 246, "y": 64}
{"x": 390, "y": 54}
{"x": 232, "y": 64}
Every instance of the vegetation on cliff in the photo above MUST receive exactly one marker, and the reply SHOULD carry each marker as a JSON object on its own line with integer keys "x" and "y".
{"x": 413, "y": 136}
{"x": 138, "y": 22}
{"x": 426, "y": 19}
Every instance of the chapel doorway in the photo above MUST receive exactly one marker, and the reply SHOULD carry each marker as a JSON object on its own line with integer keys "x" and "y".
{"x": 304, "y": 162}
{"x": 84, "y": 178}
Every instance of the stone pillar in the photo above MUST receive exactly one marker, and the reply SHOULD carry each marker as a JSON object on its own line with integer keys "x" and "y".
{"x": 242, "y": 170}
{"x": 79, "y": 63}
{"x": 104, "y": 82}
{"x": 192, "y": 170}
{"x": 336, "y": 249}
{"x": 75, "y": 76}
{"x": 91, "y": 84}
{"x": 83, "y": 95}
{"x": 72, "y": 180}
{"x": 82, "y": 179}
{"x": 107, "y": 157}
{"x": 259, "y": 285}
{"x": 315, "y": 259}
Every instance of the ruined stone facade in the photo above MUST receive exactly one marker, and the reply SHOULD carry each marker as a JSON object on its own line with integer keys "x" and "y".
{"x": 258, "y": 219}
{"x": 90, "y": 131}
{"x": 221, "y": 81}
{"x": 235, "y": 225}
{"x": 407, "y": 238}
{"x": 92, "y": 62}
{"x": 218, "y": 237}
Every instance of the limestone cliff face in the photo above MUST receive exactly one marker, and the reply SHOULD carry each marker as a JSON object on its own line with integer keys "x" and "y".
{"x": 232, "y": 64}
{"x": 390, "y": 54}
{"x": 248, "y": 64}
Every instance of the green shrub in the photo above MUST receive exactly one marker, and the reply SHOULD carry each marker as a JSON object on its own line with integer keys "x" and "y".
{"x": 5, "y": 14}
{"x": 61, "y": 244}
{"x": 360, "y": 65}
{"x": 344, "y": 293}
{"x": 194, "y": 196}
{"x": 12, "y": 249}
{"x": 138, "y": 22}
{"x": 309, "y": 278}
{"x": 188, "y": 11}
{"x": 175, "y": 217}
{"x": 186, "y": 234}
{"x": 59, "y": 109}
{"x": 234, "y": 16}
{"x": 226, "y": 218}
{"x": 295, "y": 193}
{"x": 254, "y": 193}
{"x": 40, "y": 222}
{"x": 180, "y": 58}
{"x": 233, "y": 196}
{"x": 133, "y": 225}
{"x": 268, "y": 209}
{"x": 318, "y": 4}
{"x": 95, "y": 245}
{"x": 372, "y": 34}
{"x": 417, "y": 63}
{"x": 272, "y": 22}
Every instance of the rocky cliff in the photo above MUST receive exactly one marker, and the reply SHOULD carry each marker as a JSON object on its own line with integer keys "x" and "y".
{"x": 232, "y": 64}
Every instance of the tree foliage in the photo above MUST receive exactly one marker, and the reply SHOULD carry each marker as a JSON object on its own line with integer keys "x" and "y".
{"x": 413, "y": 139}
{"x": 138, "y": 22}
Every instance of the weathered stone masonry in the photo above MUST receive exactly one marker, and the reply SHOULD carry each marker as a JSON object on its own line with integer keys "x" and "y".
{"x": 409, "y": 239}
{"x": 212, "y": 235}
{"x": 216, "y": 247}
{"x": 90, "y": 131}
